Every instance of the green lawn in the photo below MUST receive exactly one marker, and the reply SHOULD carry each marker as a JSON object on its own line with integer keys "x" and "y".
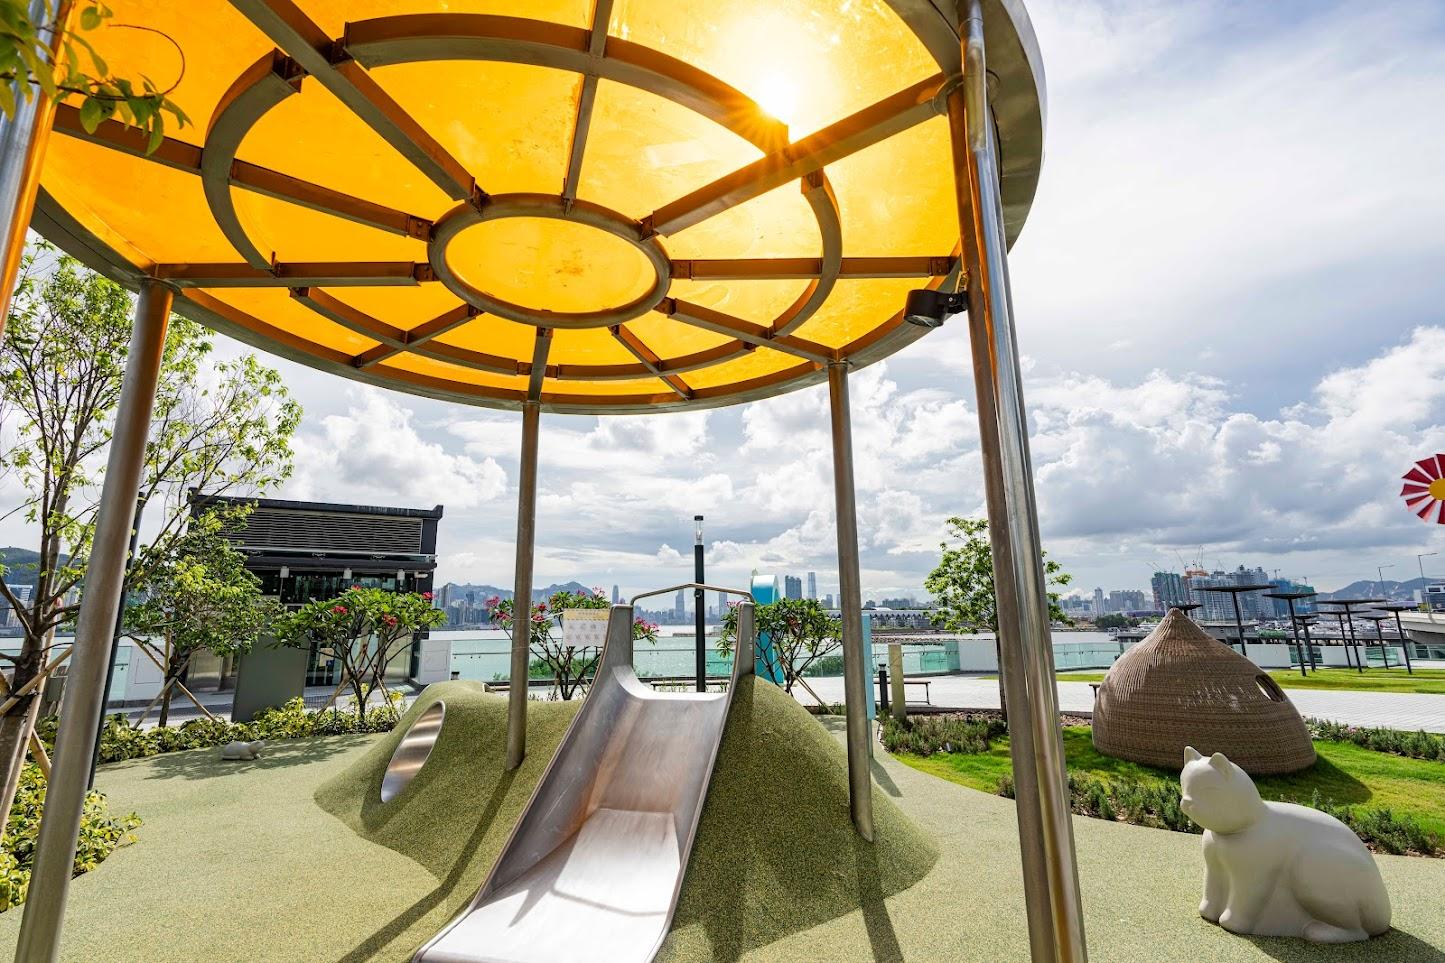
{"x": 1346, "y": 773}
{"x": 1424, "y": 681}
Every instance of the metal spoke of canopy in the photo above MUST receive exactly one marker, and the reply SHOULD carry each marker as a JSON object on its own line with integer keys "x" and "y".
{"x": 595, "y": 207}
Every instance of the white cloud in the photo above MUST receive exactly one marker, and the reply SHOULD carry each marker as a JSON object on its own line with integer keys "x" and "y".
{"x": 373, "y": 453}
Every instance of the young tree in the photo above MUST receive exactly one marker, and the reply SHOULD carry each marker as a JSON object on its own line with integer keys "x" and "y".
{"x": 963, "y": 589}
{"x": 363, "y": 629}
{"x": 219, "y": 426}
{"x": 199, "y": 597}
{"x": 569, "y": 666}
{"x": 801, "y": 630}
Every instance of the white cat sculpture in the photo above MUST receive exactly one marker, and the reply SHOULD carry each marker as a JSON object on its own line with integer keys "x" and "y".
{"x": 1277, "y": 869}
{"x": 242, "y": 750}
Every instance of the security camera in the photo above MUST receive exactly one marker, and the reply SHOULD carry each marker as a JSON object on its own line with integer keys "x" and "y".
{"x": 927, "y": 308}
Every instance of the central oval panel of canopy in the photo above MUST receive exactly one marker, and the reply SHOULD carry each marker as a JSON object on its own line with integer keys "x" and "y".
{"x": 604, "y": 207}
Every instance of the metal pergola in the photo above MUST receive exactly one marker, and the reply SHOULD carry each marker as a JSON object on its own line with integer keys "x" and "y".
{"x": 1346, "y": 615}
{"x": 1233, "y": 592}
{"x": 1289, "y": 598}
{"x": 652, "y": 238}
{"x": 1395, "y": 608}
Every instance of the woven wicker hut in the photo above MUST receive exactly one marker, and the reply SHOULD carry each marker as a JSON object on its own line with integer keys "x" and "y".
{"x": 1180, "y": 687}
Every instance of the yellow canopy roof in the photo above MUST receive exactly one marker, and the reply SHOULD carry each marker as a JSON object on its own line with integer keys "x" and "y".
{"x": 605, "y": 206}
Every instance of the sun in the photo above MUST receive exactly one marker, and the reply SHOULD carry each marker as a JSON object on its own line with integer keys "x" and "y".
{"x": 1424, "y": 489}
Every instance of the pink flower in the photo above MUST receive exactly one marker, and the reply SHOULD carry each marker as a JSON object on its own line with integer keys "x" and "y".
{"x": 339, "y": 609}
{"x": 389, "y": 619}
{"x": 537, "y": 618}
{"x": 356, "y": 588}
{"x": 541, "y": 606}
{"x": 427, "y": 596}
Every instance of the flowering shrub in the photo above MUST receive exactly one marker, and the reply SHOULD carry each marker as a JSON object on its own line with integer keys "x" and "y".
{"x": 364, "y": 630}
{"x": 568, "y": 666}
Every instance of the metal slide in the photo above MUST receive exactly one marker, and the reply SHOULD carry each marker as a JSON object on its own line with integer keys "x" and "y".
{"x": 593, "y": 867}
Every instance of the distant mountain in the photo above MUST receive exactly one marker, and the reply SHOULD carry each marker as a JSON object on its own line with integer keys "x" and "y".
{"x": 457, "y": 590}
{"x": 1373, "y": 589}
{"x": 20, "y": 564}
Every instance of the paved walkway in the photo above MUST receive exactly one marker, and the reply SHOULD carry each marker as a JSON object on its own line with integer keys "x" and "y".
{"x": 1408, "y": 711}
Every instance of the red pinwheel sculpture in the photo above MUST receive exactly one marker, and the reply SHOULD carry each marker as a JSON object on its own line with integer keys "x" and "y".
{"x": 1424, "y": 489}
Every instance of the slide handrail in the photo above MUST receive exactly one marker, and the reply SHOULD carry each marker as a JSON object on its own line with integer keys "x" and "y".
{"x": 692, "y": 585}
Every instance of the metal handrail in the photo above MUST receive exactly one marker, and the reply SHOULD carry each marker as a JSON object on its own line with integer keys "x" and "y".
{"x": 692, "y": 585}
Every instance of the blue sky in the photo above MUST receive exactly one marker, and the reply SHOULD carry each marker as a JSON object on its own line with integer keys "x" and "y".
{"x": 1228, "y": 298}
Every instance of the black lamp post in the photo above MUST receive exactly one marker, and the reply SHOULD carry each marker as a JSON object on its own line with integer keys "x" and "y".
{"x": 698, "y": 611}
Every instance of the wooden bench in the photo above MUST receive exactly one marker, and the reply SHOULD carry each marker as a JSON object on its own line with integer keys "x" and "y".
{"x": 927, "y": 692}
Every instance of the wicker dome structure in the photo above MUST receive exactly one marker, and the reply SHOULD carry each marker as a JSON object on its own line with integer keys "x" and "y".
{"x": 1180, "y": 687}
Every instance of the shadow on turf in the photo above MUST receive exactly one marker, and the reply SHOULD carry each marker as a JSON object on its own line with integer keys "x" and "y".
{"x": 404, "y": 920}
{"x": 208, "y": 764}
{"x": 776, "y": 852}
{"x": 1394, "y": 947}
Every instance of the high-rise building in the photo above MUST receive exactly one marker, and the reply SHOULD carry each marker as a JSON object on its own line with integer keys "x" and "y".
{"x": 1169, "y": 590}
{"x": 812, "y": 585}
{"x": 616, "y": 595}
{"x": 828, "y": 601}
{"x": 1098, "y": 602}
{"x": 679, "y": 607}
{"x": 792, "y": 587}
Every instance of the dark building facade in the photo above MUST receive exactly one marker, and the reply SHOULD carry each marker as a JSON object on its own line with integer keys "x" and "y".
{"x": 307, "y": 551}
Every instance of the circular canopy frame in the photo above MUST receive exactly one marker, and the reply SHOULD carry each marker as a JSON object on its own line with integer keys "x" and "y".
{"x": 761, "y": 318}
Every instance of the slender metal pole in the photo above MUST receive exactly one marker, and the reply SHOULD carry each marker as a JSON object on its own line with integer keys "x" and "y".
{"x": 1354, "y": 646}
{"x": 1309, "y": 643}
{"x": 1051, "y": 883}
{"x": 855, "y": 662}
{"x": 1345, "y": 642}
{"x": 39, "y": 940}
{"x": 1239, "y": 624}
{"x": 522, "y": 588}
{"x": 1294, "y": 631}
{"x": 699, "y": 612}
{"x": 1404, "y": 641}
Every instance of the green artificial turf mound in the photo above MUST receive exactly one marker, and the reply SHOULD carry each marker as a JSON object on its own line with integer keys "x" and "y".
{"x": 775, "y": 851}
{"x": 455, "y": 816}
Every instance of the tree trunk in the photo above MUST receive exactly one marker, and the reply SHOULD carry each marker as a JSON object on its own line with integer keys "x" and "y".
{"x": 15, "y": 725}
{"x": 24, "y": 712}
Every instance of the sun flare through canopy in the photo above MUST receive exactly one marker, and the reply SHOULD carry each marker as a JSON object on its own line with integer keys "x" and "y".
{"x": 604, "y": 206}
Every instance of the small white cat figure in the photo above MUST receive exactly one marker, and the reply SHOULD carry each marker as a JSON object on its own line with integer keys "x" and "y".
{"x": 1277, "y": 869}
{"x": 242, "y": 750}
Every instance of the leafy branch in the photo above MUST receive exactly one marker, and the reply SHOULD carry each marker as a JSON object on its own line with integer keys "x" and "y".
{"x": 53, "y": 56}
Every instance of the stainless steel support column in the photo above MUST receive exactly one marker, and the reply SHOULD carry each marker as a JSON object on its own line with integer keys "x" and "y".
{"x": 522, "y": 587}
{"x": 22, "y": 150}
{"x": 1051, "y": 885}
{"x": 39, "y": 940}
{"x": 855, "y": 664}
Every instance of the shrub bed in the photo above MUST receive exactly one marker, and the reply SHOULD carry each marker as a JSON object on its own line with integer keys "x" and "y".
{"x": 101, "y": 833}
{"x": 1155, "y": 802}
{"x": 1415, "y": 745}
{"x": 925, "y": 735}
{"x": 1107, "y": 788}
{"x": 120, "y": 741}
